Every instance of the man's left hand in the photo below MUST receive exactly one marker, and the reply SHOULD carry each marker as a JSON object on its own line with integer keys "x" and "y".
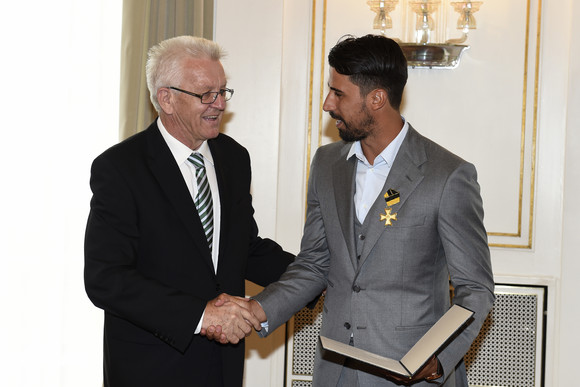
{"x": 430, "y": 371}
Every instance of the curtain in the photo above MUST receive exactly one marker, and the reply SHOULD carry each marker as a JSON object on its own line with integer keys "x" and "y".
{"x": 146, "y": 23}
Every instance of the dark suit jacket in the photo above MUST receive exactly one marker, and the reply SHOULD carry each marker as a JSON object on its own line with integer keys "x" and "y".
{"x": 148, "y": 265}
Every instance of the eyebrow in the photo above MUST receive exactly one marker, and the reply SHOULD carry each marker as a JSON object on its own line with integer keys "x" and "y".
{"x": 335, "y": 89}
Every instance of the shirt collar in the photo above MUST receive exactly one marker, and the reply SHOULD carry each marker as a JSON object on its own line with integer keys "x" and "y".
{"x": 388, "y": 154}
{"x": 180, "y": 151}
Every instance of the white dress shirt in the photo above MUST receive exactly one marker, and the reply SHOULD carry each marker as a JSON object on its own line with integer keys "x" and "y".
{"x": 181, "y": 152}
{"x": 370, "y": 178}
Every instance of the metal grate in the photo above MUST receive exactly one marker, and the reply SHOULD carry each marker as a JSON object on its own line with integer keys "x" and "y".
{"x": 307, "y": 325}
{"x": 507, "y": 352}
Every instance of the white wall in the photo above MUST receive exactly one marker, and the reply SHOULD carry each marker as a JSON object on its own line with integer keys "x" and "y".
{"x": 254, "y": 69}
{"x": 569, "y": 334}
{"x": 60, "y": 68}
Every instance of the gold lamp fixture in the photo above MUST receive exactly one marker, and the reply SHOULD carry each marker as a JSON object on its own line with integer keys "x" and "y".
{"x": 425, "y": 50}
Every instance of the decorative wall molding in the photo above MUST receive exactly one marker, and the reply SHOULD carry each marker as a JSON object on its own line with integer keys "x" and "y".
{"x": 495, "y": 127}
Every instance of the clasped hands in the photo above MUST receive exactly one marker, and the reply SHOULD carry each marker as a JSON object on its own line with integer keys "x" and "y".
{"x": 228, "y": 319}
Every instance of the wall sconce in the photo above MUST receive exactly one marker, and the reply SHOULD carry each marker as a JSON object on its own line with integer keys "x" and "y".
{"x": 425, "y": 51}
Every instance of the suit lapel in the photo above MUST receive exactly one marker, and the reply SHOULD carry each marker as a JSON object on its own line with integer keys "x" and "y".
{"x": 163, "y": 166}
{"x": 344, "y": 185}
{"x": 404, "y": 177}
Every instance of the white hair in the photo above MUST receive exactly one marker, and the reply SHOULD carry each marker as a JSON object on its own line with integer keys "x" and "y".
{"x": 165, "y": 58}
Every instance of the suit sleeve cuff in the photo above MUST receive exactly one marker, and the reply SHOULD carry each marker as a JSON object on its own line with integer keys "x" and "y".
{"x": 265, "y": 326}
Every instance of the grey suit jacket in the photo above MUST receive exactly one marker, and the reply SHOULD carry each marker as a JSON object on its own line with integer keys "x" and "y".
{"x": 399, "y": 286}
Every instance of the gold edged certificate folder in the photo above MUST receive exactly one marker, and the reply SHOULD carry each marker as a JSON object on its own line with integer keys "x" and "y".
{"x": 418, "y": 355}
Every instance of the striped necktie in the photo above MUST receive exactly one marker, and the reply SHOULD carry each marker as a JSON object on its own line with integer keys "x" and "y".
{"x": 203, "y": 200}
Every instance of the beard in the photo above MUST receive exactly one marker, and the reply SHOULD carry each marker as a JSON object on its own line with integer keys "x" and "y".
{"x": 355, "y": 130}
{"x": 352, "y": 135}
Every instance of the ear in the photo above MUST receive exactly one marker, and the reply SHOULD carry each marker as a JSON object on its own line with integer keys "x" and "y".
{"x": 377, "y": 99}
{"x": 166, "y": 100}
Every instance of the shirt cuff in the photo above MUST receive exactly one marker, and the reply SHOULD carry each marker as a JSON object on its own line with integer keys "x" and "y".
{"x": 198, "y": 329}
{"x": 265, "y": 325}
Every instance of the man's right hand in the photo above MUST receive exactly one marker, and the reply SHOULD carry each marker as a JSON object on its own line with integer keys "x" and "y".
{"x": 229, "y": 319}
{"x": 217, "y": 332}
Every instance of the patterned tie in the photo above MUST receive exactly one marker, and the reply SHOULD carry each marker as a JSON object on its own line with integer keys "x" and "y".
{"x": 203, "y": 201}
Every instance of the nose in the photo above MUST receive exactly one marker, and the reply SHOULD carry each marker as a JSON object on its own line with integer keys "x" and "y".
{"x": 328, "y": 103}
{"x": 220, "y": 102}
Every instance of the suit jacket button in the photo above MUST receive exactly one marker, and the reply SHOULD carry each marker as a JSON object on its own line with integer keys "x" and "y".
{"x": 347, "y": 325}
{"x": 361, "y": 237}
{"x": 218, "y": 288}
{"x": 356, "y": 288}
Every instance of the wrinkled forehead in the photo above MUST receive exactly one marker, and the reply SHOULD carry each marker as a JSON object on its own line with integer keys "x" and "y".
{"x": 204, "y": 73}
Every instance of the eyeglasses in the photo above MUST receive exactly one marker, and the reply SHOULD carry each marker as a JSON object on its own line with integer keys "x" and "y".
{"x": 210, "y": 96}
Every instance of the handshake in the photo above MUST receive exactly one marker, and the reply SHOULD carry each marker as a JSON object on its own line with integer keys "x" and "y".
{"x": 229, "y": 319}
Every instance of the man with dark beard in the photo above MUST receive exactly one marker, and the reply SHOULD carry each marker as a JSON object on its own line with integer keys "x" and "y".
{"x": 392, "y": 218}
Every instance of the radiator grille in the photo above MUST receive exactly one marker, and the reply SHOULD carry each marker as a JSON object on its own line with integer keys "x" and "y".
{"x": 307, "y": 325}
{"x": 507, "y": 352}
